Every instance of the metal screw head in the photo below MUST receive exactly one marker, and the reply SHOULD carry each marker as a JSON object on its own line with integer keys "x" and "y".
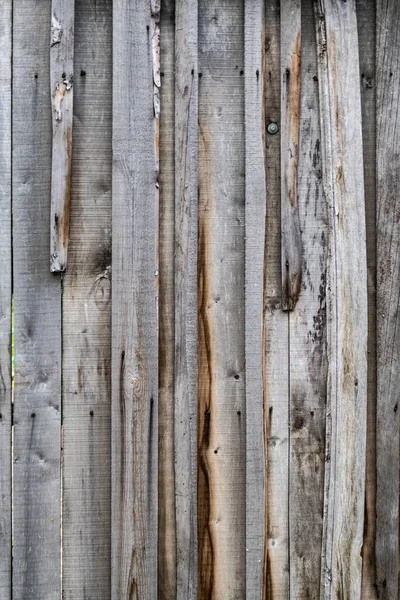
{"x": 272, "y": 128}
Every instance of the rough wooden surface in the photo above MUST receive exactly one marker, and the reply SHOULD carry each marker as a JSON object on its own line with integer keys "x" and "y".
{"x": 166, "y": 454}
{"x": 291, "y": 254}
{"x": 185, "y": 364}
{"x": 136, "y": 80}
{"x": 307, "y": 339}
{"x": 254, "y": 281}
{"x": 347, "y": 318}
{"x": 388, "y": 293}
{"x": 61, "y": 89}
{"x": 87, "y": 318}
{"x": 5, "y": 299}
{"x": 37, "y": 305}
{"x": 276, "y": 420}
{"x": 221, "y": 393}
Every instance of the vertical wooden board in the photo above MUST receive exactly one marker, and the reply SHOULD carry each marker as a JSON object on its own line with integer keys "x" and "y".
{"x": 254, "y": 281}
{"x": 367, "y": 41}
{"x": 276, "y": 321}
{"x": 347, "y": 316}
{"x": 221, "y": 394}
{"x": 136, "y": 79}
{"x": 37, "y": 305}
{"x": 308, "y": 363}
{"x": 388, "y": 293}
{"x": 87, "y": 318}
{"x": 185, "y": 384}
{"x": 61, "y": 83}
{"x": 291, "y": 253}
{"x": 166, "y": 459}
{"x": 5, "y": 299}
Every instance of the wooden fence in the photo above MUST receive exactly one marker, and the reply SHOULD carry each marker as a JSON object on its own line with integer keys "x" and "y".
{"x": 225, "y": 424}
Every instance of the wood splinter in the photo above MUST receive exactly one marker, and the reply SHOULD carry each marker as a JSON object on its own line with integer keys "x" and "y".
{"x": 61, "y": 82}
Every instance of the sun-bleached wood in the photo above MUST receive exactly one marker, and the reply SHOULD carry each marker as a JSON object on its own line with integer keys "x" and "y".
{"x": 86, "y": 536}
{"x": 136, "y": 112}
{"x": 5, "y": 299}
{"x": 37, "y": 304}
{"x": 346, "y": 300}
{"x": 61, "y": 89}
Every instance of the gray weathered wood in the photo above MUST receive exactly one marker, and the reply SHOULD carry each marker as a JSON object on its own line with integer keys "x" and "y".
{"x": 136, "y": 82}
{"x": 366, "y": 42}
{"x": 276, "y": 527}
{"x": 388, "y": 294}
{"x": 5, "y": 299}
{"x": 291, "y": 255}
{"x": 166, "y": 455}
{"x": 37, "y": 305}
{"x": 307, "y": 341}
{"x": 185, "y": 384}
{"x": 221, "y": 393}
{"x": 61, "y": 89}
{"x": 347, "y": 317}
{"x": 87, "y": 318}
{"x": 254, "y": 280}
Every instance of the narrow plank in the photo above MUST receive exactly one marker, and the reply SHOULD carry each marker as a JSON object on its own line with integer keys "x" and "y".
{"x": 87, "y": 318}
{"x": 136, "y": 80}
{"x": 291, "y": 255}
{"x": 308, "y": 361}
{"x": 254, "y": 281}
{"x": 5, "y": 299}
{"x": 221, "y": 392}
{"x": 185, "y": 384}
{"x": 367, "y": 44}
{"x": 387, "y": 296}
{"x": 61, "y": 82}
{"x": 347, "y": 316}
{"x": 166, "y": 455}
{"x": 37, "y": 305}
{"x": 276, "y": 330}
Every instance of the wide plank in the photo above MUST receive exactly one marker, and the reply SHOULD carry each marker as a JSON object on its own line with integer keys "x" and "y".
{"x": 136, "y": 111}
{"x": 86, "y": 568}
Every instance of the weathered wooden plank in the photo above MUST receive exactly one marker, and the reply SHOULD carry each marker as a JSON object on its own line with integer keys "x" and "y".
{"x": 254, "y": 281}
{"x": 5, "y": 299}
{"x": 387, "y": 295}
{"x": 291, "y": 255}
{"x": 347, "y": 317}
{"x": 221, "y": 393}
{"x": 87, "y": 318}
{"x": 276, "y": 334}
{"x": 61, "y": 86}
{"x": 307, "y": 340}
{"x": 367, "y": 41}
{"x": 166, "y": 455}
{"x": 136, "y": 80}
{"x": 185, "y": 384}
{"x": 37, "y": 305}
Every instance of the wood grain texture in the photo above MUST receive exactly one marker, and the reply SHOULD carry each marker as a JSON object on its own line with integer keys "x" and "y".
{"x": 166, "y": 454}
{"x": 61, "y": 87}
{"x": 367, "y": 42}
{"x": 387, "y": 296}
{"x": 276, "y": 420}
{"x": 221, "y": 392}
{"x": 5, "y": 299}
{"x": 136, "y": 80}
{"x": 256, "y": 564}
{"x": 307, "y": 340}
{"x": 37, "y": 306}
{"x": 347, "y": 316}
{"x": 291, "y": 255}
{"x": 87, "y": 318}
{"x": 185, "y": 376}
